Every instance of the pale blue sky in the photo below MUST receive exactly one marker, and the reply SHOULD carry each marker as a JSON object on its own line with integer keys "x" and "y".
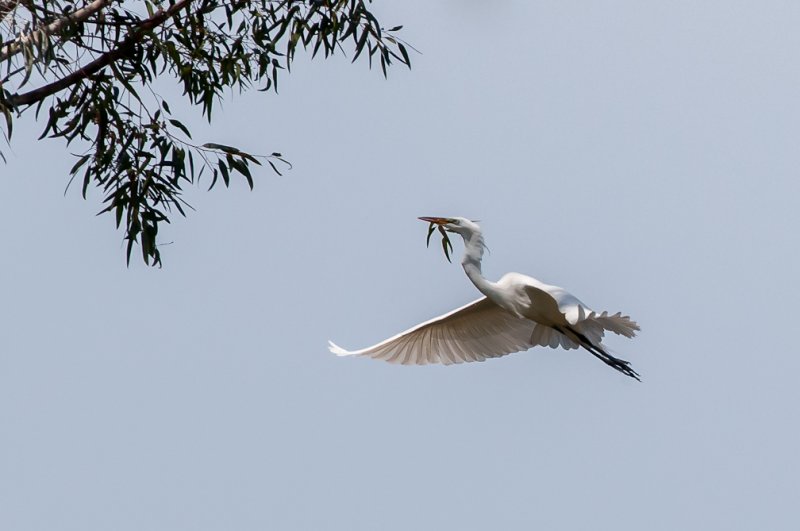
{"x": 644, "y": 155}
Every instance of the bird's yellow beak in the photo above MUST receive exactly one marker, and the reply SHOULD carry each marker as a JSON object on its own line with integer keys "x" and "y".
{"x": 438, "y": 221}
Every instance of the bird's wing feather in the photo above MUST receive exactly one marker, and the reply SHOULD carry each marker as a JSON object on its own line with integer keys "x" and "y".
{"x": 595, "y": 325}
{"x": 617, "y": 323}
{"x": 474, "y": 332}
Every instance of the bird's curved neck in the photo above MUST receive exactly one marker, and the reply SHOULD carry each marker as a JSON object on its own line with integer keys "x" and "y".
{"x": 471, "y": 262}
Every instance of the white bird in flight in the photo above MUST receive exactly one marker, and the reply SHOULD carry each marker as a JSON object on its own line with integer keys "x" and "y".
{"x": 516, "y": 313}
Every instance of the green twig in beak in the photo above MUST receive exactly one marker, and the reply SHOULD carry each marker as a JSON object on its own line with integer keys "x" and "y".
{"x": 431, "y": 228}
{"x": 446, "y": 245}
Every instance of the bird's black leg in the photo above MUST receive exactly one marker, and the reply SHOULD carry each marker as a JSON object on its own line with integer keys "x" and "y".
{"x": 619, "y": 364}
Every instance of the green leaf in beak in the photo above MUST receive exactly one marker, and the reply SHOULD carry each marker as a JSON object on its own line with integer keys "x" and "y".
{"x": 431, "y": 228}
{"x": 446, "y": 245}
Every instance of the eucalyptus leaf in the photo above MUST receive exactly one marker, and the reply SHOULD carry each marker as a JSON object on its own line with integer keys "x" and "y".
{"x": 446, "y": 243}
{"x": 431, "y": 228}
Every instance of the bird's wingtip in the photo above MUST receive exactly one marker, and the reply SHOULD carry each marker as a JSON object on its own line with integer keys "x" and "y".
{"x": 336, "y": 349}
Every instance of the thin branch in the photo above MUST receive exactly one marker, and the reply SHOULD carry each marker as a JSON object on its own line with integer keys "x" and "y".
{"x": 101, "y": 62}
{"x": 6, "y": 7}
{"x": 35, "y": 36}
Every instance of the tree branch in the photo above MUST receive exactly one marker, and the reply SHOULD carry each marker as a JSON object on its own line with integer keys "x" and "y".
{"x": 36, "y": 35}
{"x": 6, "y": 7}
{"x": 101, "y": 62}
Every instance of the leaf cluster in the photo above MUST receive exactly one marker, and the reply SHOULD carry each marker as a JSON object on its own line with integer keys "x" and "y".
{"x": 447, "y": 246}
{"x": 90, "y": 73}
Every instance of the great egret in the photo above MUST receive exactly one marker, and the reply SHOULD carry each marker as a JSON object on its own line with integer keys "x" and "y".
{"x": 517, "y": 313}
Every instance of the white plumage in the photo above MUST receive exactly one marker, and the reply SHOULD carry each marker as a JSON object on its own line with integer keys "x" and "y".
{"x": 517, "y": 312}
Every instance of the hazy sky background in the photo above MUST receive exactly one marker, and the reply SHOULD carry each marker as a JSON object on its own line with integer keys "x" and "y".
{"x": 644, "y": 155}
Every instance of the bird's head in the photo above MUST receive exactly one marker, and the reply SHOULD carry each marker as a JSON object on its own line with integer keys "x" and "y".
{"x": 462, "y": 226}
{"x": 467, "y": 229}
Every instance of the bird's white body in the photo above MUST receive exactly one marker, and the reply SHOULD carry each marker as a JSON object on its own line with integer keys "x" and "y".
{"x": 516, "y": 313}
{"x": 532, "y": 299}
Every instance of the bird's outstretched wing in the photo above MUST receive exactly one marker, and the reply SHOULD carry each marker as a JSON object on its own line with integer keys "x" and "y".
{"x": 474, "y": 332}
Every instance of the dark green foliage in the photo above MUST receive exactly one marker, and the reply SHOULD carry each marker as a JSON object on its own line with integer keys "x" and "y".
{"x": 446, "y": 245}
{"x": 93, "y": 66}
